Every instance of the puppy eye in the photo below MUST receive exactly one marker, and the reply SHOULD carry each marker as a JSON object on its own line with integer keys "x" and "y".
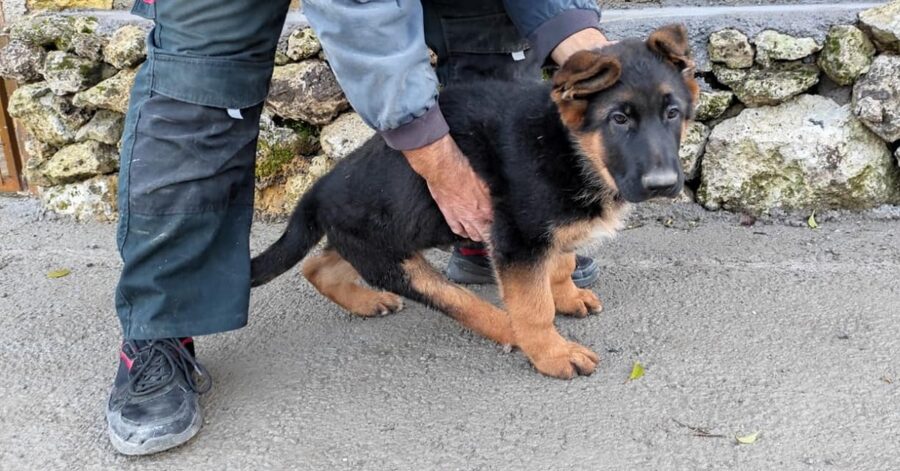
{"x": 620, "y": 118}
{"x": 673, "y": 112}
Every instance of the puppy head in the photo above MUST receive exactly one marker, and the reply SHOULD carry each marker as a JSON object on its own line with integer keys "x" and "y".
{"x": 626, "y": 107}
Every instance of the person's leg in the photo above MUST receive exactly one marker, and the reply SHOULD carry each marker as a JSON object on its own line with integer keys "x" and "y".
{"x": 185, "y": 206}
{"x": 475, "y": 39}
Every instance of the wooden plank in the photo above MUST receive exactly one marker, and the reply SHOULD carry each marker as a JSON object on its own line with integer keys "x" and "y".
{"x": 13, "y": 181}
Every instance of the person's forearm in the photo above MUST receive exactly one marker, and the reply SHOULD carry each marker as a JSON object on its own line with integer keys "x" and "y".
{"x": 427, "y": 160}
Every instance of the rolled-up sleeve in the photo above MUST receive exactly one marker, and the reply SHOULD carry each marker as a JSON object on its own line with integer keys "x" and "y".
{"x": 548, "y": 23}
{"x": 378, "y": 53}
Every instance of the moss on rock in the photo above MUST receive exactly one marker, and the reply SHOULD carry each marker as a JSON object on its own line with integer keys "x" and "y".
{"x": 773, "y": 46}
{"x": 847, "y": 54}
{"x": 713, "y": 104}
{"x": 768, "y": 86}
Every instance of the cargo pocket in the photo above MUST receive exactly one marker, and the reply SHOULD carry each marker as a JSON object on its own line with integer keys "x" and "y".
{"x": 190, "y": 158}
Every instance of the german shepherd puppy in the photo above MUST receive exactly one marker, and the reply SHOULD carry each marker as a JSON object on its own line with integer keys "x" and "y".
{"x": 561, "y": 161}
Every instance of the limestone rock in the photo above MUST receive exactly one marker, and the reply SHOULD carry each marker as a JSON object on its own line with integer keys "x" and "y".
{"x": 80, "y": 161}
{"x": 50, "y": 118}
{"x": 111, "y": 94}
{"x": 692, "y": 145}
{"x": 883, "y": 25}
{"x": 306, "y": 91}
{"x": 93, "y": 199}
{"x": 126, "y": 47}
{"x": 53, "y": 31}
{"x": 876, "y": 97}
{"x": 774, "y": 46}
{"x": 281, "y": 58}
{"x": 38, "y": 153}
{"x": 769, "y": 86}
{"x": 847, "y": 54}
{"x": 713, "y": 104}
{"x": 89, "y": 46}
{"x": 732, "y": 48}
{"x": 279, "y": 145}
{"x": 106, "y": 127}
{"x": 67, "y": 73}
{"x": 278, "y": 200}
{"x": 302, "y": 44}
{"x": 21, "y": 61}
{"x": 344, "y": 135}
{"x": 807, "y": 153}
{"x": 55, "y": 5}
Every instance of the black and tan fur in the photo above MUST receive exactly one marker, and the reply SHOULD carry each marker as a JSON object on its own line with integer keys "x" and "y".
{"x": 561, "y": 161}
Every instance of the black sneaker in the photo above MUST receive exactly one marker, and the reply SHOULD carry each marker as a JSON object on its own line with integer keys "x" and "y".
{"x": 472, "y": 266}
{"x": 154, "y": 404}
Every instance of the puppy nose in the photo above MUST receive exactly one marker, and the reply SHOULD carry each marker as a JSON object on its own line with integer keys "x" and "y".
{"x": 659, "y": 179}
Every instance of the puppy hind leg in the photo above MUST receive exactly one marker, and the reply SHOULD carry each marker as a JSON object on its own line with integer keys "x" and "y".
{"x": 416, "y": 279}
{"x": 335, "y": 278}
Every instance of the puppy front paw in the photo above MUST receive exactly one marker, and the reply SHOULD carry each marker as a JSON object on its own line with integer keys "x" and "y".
{"x": 579, "y": 304}
{"x": 565, "y": 360}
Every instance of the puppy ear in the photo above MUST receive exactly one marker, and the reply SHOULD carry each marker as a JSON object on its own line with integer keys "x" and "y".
{"x": 586, "y": 72}
{"x": 671, "y": 42}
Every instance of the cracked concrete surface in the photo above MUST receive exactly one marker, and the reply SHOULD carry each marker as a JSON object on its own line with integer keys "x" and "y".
{"x": 785, "y": 330}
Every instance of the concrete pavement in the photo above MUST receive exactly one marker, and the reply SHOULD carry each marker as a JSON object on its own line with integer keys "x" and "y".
{"x": 785, "y": 330}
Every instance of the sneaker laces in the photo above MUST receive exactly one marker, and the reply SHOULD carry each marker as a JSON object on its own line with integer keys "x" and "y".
{"x": 157, "y": 362}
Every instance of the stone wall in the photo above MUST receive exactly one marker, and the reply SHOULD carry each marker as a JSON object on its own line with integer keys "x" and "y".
{"x": 783, "y": 122}
{"x": 814, "y": 124}
{"x": 74, "y": 77}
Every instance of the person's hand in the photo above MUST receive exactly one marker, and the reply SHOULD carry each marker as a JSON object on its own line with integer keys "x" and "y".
{"x": 461, "y": 195}
{"x": 589, "y": 38}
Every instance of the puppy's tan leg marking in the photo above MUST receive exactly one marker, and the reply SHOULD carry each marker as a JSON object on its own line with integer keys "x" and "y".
{"x": 529, "y": 300}
{"x": 569, "y": 299}
{"x": 459, "y": 303}
{"x": 335, "y": 278}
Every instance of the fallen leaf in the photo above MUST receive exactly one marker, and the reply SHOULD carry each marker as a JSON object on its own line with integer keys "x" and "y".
{"x": 812, "y": 221}
{"x": 636, "y": 371}
{"x": 748, "y": 439}
{"x": 59, "y": 273}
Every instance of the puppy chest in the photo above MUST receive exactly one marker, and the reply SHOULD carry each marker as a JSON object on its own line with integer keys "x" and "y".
{"x": 573, "y": 235}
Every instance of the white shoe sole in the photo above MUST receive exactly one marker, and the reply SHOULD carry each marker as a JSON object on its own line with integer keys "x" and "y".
{"x": 158, "y": 444}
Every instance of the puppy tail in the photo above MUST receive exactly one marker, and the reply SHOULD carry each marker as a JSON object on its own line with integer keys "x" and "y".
{"x": 302, "y": 233}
